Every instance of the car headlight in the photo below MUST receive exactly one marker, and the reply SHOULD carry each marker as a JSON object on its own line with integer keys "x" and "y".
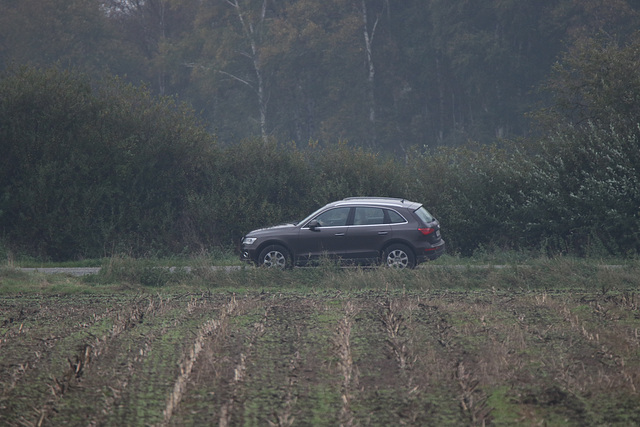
{"x": 249, "y": 240}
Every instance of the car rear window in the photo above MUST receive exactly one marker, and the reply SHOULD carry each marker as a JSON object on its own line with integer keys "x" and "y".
{"x": 395, "y": 217}
{"x": 424, "y": 215}
{"x": 368, "y": 216}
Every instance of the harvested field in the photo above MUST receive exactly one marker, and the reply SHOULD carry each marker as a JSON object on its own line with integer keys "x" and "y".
{"x": 284, "y": 357}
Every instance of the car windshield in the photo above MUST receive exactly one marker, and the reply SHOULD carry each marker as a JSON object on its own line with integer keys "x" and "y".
{"x": 310, "y": 217}
{"x": 424, "y": 215}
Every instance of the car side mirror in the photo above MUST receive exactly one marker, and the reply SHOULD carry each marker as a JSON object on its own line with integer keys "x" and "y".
{"x": 313, "y": 224}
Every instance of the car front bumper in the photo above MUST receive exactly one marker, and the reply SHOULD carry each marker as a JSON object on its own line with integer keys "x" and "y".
{"x": 248, "y": 254}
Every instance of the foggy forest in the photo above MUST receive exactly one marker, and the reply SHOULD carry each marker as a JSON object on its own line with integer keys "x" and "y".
{"x": 159, "y": 117}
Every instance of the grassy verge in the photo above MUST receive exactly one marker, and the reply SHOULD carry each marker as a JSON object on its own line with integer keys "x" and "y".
{"x": 447, "y": 273}
{"x": 220, "y": 257}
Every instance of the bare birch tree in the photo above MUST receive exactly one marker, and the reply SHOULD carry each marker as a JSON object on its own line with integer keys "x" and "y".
{"x": 252, "y": 26}
{"x": 369, "y": 32}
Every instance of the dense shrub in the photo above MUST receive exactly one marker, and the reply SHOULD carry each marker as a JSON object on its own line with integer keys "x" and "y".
{"x": 91, "y": 167}
{"x": 341, "y": 171}
{"x": 476, "y": 191}
{"x": 588, "y": 191}
{"x": 95, "y": 168}
{"x": 257, "y": 184}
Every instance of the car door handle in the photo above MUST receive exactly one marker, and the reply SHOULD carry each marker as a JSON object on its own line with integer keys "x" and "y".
{"x": 382, "y": 233}
{"x": 340, "y": 234}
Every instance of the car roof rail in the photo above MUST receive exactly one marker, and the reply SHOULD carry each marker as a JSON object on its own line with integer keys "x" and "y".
{"x": 402, "y": 199}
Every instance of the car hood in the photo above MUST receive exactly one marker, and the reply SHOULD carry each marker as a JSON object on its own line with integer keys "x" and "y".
{"x": 269, "y": 230}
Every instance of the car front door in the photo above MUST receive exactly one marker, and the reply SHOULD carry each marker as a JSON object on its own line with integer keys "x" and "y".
{"x": 327, "y": 238}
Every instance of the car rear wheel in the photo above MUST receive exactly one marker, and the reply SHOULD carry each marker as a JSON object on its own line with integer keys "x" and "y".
{"x": 274, "y": 256}
{"x": 399, "y": 256}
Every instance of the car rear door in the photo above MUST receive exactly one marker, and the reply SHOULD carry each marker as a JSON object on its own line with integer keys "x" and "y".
{"x": 367, "y": 234}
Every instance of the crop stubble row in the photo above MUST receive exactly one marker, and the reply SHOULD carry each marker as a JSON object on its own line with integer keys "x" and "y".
{"x": 367, "y": 358}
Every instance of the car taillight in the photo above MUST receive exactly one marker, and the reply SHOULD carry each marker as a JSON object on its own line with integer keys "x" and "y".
{"x": 426, "y": 231}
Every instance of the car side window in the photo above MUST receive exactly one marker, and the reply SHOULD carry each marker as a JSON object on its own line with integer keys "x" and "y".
{"x": 395, "y": 217}
{"x": 368, "y": 216}
{"x": 333, "y": 217}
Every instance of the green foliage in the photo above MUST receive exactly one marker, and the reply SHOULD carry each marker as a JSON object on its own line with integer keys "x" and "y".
{"x": 476, "y": 191}
{"x": 257, "y": 184}
{"x": 340, "y": 171}
{"x": 588, "y": 167}
{"x": 91, "y": 168}
{"x": 72, "y": 32}
{"x": 87, "y": 169}
{"x": 443, "y": 72}
{"x": 596, "y": 84}
{"x": 588, "y": 191}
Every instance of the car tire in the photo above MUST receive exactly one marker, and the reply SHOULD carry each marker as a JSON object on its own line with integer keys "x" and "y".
{"x": 274, "y": 256}
{"x": 399, "y": 256}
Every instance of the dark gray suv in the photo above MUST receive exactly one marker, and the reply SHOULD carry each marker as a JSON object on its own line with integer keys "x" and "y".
{"x": 358, "y": 230}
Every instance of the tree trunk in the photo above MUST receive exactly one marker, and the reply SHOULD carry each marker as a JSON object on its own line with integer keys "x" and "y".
{"x": 252, "y": 35}
{"x": 368, "y": 41}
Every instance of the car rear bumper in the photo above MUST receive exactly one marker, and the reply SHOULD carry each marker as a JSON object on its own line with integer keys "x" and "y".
{"x": 431, "y": 253}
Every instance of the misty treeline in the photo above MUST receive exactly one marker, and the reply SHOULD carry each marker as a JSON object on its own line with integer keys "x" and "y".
{"x": 95, "y": 167}
{"x": 253, "y": 113}
{"x": 381, "y": 74}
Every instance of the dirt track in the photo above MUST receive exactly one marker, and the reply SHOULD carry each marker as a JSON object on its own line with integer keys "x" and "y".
{"x": 84, "y": 271}
{"x": 72, "y": 271}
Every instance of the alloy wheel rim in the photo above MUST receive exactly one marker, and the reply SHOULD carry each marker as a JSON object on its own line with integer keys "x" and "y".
{"x": 397, "y": 259}
{"x": 274, "y": 259}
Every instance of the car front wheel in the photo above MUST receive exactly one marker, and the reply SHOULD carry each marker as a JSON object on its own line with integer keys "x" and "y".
{"x": 274, "y": 256}
{"x": 399, "y": 256}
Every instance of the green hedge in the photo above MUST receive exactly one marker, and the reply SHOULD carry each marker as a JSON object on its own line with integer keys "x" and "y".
{"x": 95, "y": 168}
{"x": 89, "y": 168}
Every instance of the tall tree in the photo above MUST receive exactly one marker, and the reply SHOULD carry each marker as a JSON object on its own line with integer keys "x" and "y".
{"x": 252, "y": 25}
{"x": 233, "y": 39}
{"x": 596, "y": 84}
{"x": 155, "y": 31}
{"x": 370, "y": 24}
{"x": 378, "y": 73}
{"x": 71, "y": 32}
